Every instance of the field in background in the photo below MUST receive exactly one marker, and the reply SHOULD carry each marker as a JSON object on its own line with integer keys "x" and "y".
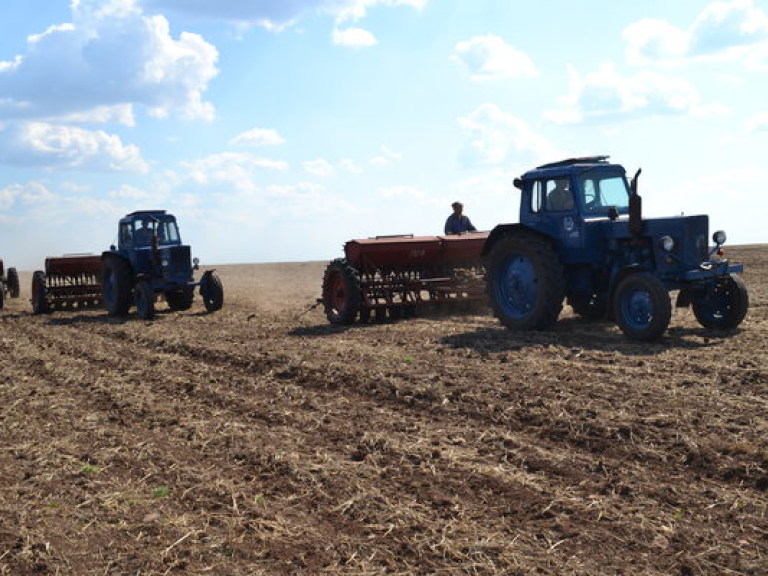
{"x": 261, "y": 440}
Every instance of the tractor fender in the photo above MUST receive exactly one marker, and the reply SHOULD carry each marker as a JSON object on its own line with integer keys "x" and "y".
{"x": 206, "y": 276}
{"x": 502, "y": 230}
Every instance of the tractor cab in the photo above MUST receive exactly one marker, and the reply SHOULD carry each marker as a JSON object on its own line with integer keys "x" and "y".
{"x": 147, "y": 229}
{"x": 562, "y": 199}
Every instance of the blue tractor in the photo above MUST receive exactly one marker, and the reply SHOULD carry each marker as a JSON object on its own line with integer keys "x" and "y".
{"x": 150, "y": 260}
{"x": 582, "y": 239}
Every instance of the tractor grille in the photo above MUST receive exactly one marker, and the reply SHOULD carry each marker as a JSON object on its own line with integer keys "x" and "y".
{"x": 179, "y": 264}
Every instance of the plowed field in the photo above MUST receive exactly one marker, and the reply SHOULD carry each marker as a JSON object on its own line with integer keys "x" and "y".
{"x": 262, "y": 440}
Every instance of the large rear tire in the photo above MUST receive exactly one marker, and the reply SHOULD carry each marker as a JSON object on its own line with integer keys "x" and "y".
{"x": 13, "y": 283}
{"x": 39, "y": 293}
{"x": 725, "y": 307}
{"x": 341, "y": 292}
{"x": 526, "y": 283}
{"x": 642, "y": 307}
{"x": 145, "y": 300}
{"x": 212, "y": 293}
{"x": 116, "y": 286}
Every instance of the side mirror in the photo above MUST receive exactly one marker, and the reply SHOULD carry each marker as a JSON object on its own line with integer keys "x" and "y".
{"x": 195, "y": 263}
{"x": 518, "y": 183}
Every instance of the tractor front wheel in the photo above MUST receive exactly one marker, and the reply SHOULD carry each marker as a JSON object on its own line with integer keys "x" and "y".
{"x": 116, "y": 286}
{"x": 526, "y": 283}
{"x": 341, "y": 292}
{"x": 212, "y": 292}
{"x": 39, "y": 293}
{"x": 642, "y": 307}
{"x": 145, "y": 300}
{"x": 723, "y": 308}
{"x": 13, "y": 283}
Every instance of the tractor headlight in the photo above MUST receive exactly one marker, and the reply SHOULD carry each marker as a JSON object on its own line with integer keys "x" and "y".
{"x": 164, "y": 262}
{"x": 719, "y": 237}
{"x": 667, "y": 243}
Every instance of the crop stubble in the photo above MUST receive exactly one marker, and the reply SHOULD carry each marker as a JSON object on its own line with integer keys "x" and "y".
{"x": 261, "y": 440}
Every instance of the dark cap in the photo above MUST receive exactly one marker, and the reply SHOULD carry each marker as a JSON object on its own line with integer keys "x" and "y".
{"x": 457, "y": 205}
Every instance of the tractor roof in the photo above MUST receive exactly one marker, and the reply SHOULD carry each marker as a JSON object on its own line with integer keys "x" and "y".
{"x": 570, "y": 166}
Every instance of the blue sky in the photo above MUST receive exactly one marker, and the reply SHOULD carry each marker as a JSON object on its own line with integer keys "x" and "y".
{"x": 278, "y": 129}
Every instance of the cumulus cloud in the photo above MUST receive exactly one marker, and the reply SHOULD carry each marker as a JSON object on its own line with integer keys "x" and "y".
{"x": 237, "y": 171}
{"x": 353, "y": 37}
{"x": 490, "y": 57}
{"x": 66, "y": 147}
{"x": 110, "y": 58}
{"x": 319, "y": 167}
{"x": 386, "y": 157}
{"x": 494, "y": 137}
{"x": 258, "y": 137}
{"x": 758, "y": 123}
{"x": 275, "y": 14}
{"x": 734, "y": 29}
{"x": 606, "y": 95}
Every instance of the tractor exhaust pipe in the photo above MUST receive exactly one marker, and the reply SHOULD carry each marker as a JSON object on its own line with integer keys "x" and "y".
{"x": 635, "y": 209}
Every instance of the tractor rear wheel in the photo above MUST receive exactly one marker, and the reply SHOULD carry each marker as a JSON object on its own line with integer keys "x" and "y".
{"x": 39, "y": 293}
{"x": 526, "y": 283}
{"x": 116, "y": 286}
{"x": 145, "y": 300}
{"x": 725, "y": 307}
{"x": 642, "y": 307}
{"x": 13, "y": 283}
{"x": 212, "y": 292}
{"x": 180, "y": 299}
{"x": 341, "y": 292}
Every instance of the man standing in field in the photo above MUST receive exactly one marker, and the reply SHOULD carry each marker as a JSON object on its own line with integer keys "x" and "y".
{"x": 458, "y": 223}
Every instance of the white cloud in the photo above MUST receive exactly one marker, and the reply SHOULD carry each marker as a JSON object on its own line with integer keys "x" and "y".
{"x": 276, "y": 14}
{"x": 320, "y": 167}
{"x": 233, "y": 170}
{"x": 353, "y": 37}
{"x": 386, "y": 157}
{"x": 758, "y": 123}
{"x": 66, "y": 147}
{"x": 258, "y": 137}
{"x": 731, "y": 30}
{"x": 402, "y": 192}
{"x": 110, "y": 58}
{"x": 494, "y": 137}
{"x": 651, "y": 40}
{"x": 490, "y": 57}
{"x": 606, "y": 95}
{"x": 350, "y": 166}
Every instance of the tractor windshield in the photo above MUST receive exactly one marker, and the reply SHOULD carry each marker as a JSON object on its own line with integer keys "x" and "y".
{"x": 602, "y": 191}
{"x": 140, "y": 232}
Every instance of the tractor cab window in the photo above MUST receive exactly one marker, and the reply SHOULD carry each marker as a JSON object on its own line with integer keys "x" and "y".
{"x": 537, "y": 197}
{"x": 168, "y": 232}
{"x": 602, "y": 192}
{"x": 559, "y": 195}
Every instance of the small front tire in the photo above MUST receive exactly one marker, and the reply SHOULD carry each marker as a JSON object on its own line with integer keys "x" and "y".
{"x": 725, "y": 307}
{"x": 145, "y": 300}
{"x": 212, "y": 292}
{"x": 642, "y": 307}
{"x": 13, "y": 283}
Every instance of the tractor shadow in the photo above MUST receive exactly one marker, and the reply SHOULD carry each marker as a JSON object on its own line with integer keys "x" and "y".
{"x": 578, "y": 334}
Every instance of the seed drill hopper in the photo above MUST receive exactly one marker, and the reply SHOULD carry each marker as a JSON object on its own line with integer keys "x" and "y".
{"x": 68, "y": 282}
{"x": 398, "y": 276}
